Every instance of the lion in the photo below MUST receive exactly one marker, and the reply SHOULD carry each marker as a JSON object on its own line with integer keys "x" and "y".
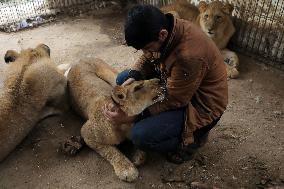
{"x": 215, "y": 21}
{"x": 91, "y": 85}
{"x": 32, "y": 89}
{"x": 182, "y": 9}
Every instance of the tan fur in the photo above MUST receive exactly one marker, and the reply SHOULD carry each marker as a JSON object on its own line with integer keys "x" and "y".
{"x": 182, "y": 9}
{"x": 215, "y": 21}
{"x": 32, "y": 89}
{"x": 232, "y": 62}
{"x": 90, "y": 87}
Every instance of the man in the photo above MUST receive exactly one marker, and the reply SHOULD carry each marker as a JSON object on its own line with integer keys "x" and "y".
{"x": 192, "y": 70}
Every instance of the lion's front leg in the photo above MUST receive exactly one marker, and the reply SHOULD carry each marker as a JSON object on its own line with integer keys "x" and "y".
{"x": 94, "y": 137}
{"x": 123, "y": 168}
{"x": 232, "y": 61}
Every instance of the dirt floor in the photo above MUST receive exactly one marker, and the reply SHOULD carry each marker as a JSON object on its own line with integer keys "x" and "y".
{"x": 245, "y": 150}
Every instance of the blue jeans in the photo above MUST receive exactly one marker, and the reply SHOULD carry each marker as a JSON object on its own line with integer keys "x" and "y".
{"x": 163, "y": 132}
{"x": 160, "y": 133}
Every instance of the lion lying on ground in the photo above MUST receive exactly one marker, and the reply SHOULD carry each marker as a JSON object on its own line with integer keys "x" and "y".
{"x": 215, "y": 21}
{"x": 32, "y": 89}
{"x": 90, "y": 86}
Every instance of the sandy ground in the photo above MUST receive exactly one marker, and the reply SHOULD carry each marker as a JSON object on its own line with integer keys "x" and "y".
{"x": 245, "y": 150}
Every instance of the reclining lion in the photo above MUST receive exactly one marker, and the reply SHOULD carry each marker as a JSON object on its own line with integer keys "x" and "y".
{"x": 90, "y": 86}
{"x": 32, "y": 89}
{"x": 215, "y": 21}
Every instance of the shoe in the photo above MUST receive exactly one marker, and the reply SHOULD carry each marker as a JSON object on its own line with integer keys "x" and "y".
{"x": 183, "y": 154}
{"x": 186, "y": 153}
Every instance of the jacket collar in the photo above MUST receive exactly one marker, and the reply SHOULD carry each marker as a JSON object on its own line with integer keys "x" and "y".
{"x": 173, "y": 40}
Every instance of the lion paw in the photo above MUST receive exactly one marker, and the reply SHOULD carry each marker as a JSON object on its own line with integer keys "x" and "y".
{"x": 126, "y": 173}
{"x": 231, "y": 61}
{"x": 72, "y": 146}
{"x": 233, "y": 73}
{"x": 139, "y": 157}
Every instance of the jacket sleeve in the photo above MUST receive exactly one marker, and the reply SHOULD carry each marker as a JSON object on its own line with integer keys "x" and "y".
{"x": 144, "y": 66}
{"x": 140, "y": 63}
{"x": 185, "y": 78}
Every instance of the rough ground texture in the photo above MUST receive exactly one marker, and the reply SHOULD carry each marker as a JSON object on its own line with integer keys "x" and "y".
{"x": 245, "y": 150}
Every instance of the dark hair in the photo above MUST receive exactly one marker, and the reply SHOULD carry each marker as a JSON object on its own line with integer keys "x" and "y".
{"x": 143, "y": 24}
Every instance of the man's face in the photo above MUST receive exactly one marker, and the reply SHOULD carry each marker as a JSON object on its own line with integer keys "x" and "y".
{"x": 155, "y": 46}
{"x": 152, "y": 49}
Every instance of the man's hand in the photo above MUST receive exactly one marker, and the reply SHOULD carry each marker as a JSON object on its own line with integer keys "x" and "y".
{"x": 115, "y": 115}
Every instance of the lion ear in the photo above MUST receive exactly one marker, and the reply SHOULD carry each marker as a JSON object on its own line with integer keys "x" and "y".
{"x": 202, "y": 6}
{"x": 11, "y": 56}
{"x": 45, "y": 48}
{"x": 228, "y": 9}
{"x": 119, "y": 94}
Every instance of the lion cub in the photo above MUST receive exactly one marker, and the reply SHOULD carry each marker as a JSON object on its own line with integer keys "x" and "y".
{"x": 32, "y": 89}
{"x": 91, "y": 87}
{"x": 215, "y": 21}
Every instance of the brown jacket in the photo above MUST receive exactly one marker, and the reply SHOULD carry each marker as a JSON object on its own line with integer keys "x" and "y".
{"x": 195, "y": 77}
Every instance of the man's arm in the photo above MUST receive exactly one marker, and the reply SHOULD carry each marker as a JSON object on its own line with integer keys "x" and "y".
{"x": 139, "y": 71}
{"x": 116, "y": 116}
{"x": 143, "y": 68}
{"x": 185, "y": 79}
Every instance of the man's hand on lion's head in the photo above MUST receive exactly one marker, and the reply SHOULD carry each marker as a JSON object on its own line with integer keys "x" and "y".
{"x": 115, "y": 115}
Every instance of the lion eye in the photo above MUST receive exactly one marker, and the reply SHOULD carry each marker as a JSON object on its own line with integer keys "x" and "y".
{"x": 218, "y": 17}
{"x": 120, "y": 96}
{"x": 206, "y": 16}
